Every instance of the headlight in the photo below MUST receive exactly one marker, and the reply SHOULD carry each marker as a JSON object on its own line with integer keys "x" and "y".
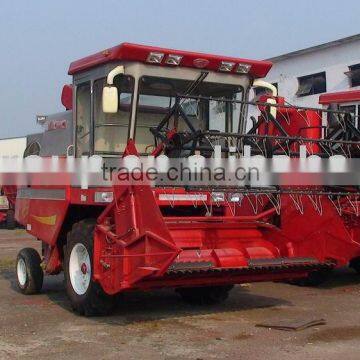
{"x": 104, "y": 196}
{"x": 243, "y": 68}
{"x": 226, "y": 66}
{"x": 155, "y": 58}
{"x": 173, "y": 59}
{"x": 218, "y": 196}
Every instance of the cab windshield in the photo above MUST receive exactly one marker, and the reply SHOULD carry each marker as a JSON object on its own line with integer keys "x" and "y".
{"x": 158, "y": 95}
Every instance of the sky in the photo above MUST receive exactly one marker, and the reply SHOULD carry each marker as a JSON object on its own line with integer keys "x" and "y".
{"x": 40, "y": 38}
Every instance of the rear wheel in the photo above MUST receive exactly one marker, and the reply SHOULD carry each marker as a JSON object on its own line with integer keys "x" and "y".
{"x": 86, "y": 296}
{"x": 29, "y": 274}
{"x": 206, "y": 295}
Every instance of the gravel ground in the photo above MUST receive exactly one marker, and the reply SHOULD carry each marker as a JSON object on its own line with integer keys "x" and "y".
{"x": 157, "y": 325}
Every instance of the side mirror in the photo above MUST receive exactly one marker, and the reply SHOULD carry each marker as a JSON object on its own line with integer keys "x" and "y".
{"x": 110, "y": 96}
{"x": 110, "y": 100}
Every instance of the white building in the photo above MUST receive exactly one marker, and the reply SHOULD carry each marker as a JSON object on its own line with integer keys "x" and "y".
{"x": 13, "y": 146}
{"x": 302, "y": 76}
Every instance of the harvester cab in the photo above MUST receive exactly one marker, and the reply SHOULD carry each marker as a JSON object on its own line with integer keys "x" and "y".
{"x": 157, "y": 98}
{"x": 135, "y": 99}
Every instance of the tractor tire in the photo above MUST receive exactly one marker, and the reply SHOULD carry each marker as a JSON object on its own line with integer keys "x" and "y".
{"x": 207, "y": 295}
{"x": 10, "y": 220}
{"x": 29, "y": 274}
{"x": 315, "y": 278}
{"x": 86, "y": 296}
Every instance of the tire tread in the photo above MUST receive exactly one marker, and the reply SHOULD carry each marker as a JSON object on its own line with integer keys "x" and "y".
{"x": 35, "y": 274}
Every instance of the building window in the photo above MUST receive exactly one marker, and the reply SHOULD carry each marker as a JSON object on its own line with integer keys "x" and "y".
{"x": 354, "y": 75}
{"x": 312, "y": 84}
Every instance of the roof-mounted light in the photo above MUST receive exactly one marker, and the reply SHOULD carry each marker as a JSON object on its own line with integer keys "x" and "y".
{"x": 173, "y": 59}
{"x": 226, "y": 66}
{"x": 243, "y": 68}
{"x": 155, "y": 58}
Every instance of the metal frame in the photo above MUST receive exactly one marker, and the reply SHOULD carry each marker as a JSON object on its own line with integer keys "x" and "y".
{"x": 329, "y": 144}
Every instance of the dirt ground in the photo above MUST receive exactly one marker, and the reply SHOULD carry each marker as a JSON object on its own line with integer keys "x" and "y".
{"x": 158, "y": 325}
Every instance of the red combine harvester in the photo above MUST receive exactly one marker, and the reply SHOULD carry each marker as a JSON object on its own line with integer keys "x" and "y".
{"x": 134, "y": 99}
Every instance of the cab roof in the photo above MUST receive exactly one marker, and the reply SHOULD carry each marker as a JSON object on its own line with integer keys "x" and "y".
{"x": 141, "y": 53}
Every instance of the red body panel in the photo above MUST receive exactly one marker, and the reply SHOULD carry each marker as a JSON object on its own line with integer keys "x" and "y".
{"x": 67, "y": 97}
{"x": 42, "y": 218}
{"x": 339, "y": 97}
{"x": 131, "y": 240}
{"x": 326, "y": 236}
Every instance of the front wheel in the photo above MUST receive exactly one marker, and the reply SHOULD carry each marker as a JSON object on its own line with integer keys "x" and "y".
{"x": 29, "y": 274}
{"x": 206, "y": 295}
{"x": 86, "y": 296}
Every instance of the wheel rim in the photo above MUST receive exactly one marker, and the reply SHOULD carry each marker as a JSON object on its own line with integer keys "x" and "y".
{"x": 80, "y": 269}
{"x": 21, "y": 272}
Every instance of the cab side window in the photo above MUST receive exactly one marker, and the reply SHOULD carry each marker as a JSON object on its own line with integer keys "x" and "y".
{"x": 83, "y": 115}
{"x": 111, "y": 130}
